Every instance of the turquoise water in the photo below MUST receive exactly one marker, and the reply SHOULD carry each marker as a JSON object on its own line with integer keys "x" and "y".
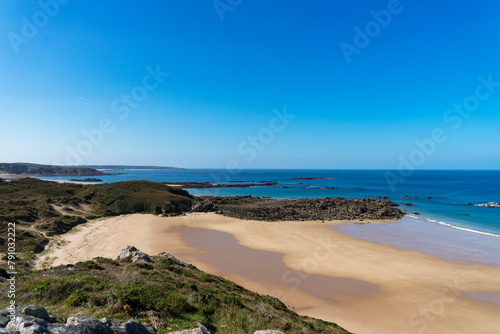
{"x": 454, "y": 193}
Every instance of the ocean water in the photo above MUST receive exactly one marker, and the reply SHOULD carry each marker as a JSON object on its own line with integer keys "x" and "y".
{"x": 454, "y": 194}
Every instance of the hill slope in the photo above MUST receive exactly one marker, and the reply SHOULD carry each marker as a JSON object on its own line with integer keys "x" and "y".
{"x": 168, "y": 294}
{"x": 42, "y": 208}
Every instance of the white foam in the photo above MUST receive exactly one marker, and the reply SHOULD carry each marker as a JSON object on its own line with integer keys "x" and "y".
{"x": 488, "y": 205}
{"x": 455, "y": 227}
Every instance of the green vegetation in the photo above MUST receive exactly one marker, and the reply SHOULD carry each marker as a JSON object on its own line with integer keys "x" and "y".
{"x": 42, "y": 208}
{"x": 45, "y": 170}
{"x": 165, "y": 294}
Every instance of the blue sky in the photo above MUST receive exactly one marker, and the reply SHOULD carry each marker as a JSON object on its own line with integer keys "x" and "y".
{"x": 226, "y": 79}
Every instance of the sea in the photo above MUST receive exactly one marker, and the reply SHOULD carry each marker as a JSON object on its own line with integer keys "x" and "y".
{"x": 453, "y": 198}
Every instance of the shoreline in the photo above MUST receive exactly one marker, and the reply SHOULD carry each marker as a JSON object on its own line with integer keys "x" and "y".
{"x": 407, "y": 280}
{"x": 450, "y": 225}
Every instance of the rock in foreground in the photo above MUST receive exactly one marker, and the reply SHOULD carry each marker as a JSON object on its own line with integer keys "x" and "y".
{"x": 34, "y": 319}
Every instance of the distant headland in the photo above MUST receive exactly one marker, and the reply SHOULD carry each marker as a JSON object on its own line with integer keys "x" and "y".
{"x": 126, "y": 167}
{"x": 23, "y": 169}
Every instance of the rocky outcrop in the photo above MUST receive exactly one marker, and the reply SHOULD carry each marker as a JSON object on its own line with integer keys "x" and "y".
{"x": 176, "y": 260}
{"x": 34, "y": 319}
{"x": 89, "y": 179}
{"x": 200, "y": 330}
{"x": 266, "y": 209}
{"x": 204, "y": 185}
{"x": 203, "y": 206}
{"x": 134, "y": 254}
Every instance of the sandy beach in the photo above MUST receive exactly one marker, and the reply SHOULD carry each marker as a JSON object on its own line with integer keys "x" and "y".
{"x": 365, "y": 287}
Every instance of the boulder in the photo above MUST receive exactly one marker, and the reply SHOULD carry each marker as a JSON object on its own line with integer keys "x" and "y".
{"x": 27, "y": 324}
{"x": 88, "y": 325}
{"x": 134, "y": 254}
{"x": 4, "y": 318}
{"x": 36, "y": 311}
{"x": 131, "y": 327}
{"x": 268, "y": 331}
{"x": 173, "y": 258}
{"x": 62, "y": 329}
{"x": 200, "y": 330}
{"x": 34, "y": 319}
{"x": 3, "y": 273}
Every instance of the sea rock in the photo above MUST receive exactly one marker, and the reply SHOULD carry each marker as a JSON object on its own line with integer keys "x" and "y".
{"x": 176, "y": 260}
{"x": 264, "y": 209}
{"x": 134, "y": 254}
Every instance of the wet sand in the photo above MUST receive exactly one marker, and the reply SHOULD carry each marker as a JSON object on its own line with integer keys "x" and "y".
{"x": 268, "y": 267}
{"x": 426, "y": 237}
{"x": 364, "y": 286}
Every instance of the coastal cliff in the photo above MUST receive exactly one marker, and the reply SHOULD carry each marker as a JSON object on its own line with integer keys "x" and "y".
{"x": 27, "y": 169}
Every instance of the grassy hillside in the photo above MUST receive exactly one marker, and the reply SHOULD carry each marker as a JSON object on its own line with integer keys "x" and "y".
{"x": 166, "y": 294}
{"x": 42, "y": 208}
{"x": 45, "y": 170}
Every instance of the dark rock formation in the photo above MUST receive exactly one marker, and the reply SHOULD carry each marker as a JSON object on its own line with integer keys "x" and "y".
{"x": 309, "y": 178}
{"x": 89, "y": 179}
{"x": 256, "y": 208}
{"x": 198, "y": 185}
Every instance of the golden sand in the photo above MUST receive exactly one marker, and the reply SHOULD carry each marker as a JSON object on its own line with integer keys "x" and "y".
{"x": 363, "y": 286}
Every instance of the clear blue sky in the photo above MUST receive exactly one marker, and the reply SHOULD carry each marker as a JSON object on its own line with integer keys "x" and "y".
{"x": 227, "y": 76}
